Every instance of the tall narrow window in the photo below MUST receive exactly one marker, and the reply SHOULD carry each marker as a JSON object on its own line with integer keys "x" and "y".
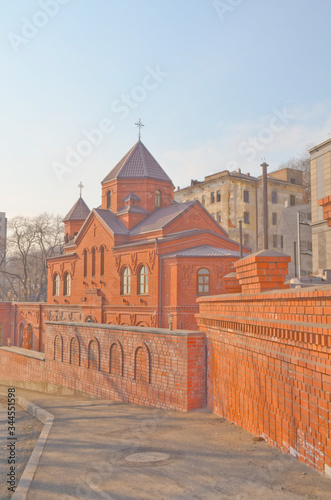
{"x": 158, "y": 198}
{"x": 93, "y": 261}
{"x": 219, "y": 217}
{"x": 246, "y": 196}
{"x": 102, "y": 261}
{"x": 203, "y": 199}
{"x": 274, "y": 240}
{"x": 218, "y": 196}
{"x": 67, "y": 285}
{"x": 203, "y": 282}
{"x": 212, "y": 197}
{"x": 126, "y": 282}
{"x": 274, "y": 197}
{"x": 109, "y": 200}
{"x": 143, "y": 280}
{"x": 85, "y": 263}
{"x": 56, "y": 284}
{"x": 246, "y": 240}
{"x": 246, "y": 217}
{"x": 274, "y": 219}
{"x": 292, "y": 200}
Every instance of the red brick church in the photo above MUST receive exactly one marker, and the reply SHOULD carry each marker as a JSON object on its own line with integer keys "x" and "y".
{"x": 140, "y": 257}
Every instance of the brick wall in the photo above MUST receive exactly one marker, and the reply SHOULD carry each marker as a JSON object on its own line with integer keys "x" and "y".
{"x": 150, "y": 367}
{"x": 21, "y": 365}
{"x": 269, "y": 367}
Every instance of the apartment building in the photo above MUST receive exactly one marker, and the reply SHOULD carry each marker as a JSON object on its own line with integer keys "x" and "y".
{"x": 234, "y": 196}
{"x": 320, "y": 171}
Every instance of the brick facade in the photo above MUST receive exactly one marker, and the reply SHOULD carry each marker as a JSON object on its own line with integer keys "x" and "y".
{"x": 269, "y": 367}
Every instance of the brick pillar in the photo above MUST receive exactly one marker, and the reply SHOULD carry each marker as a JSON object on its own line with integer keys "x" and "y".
{"x": 326, "y": 204}
{"x": 262, "y": 271}
{"x": 231, "y": 283}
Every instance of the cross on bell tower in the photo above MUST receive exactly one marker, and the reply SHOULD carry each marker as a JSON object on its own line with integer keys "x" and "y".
{"x": 81, "y": 186}
{"x": 139, "y": 124}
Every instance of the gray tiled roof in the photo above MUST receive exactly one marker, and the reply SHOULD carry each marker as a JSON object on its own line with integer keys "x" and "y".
{"x": 132, "y": 209}
{"x": 138, "y": 163}
{"x": 78, "y": 212}
{"x": 204, "y": 251}
{"x": 112, "y": 221}
{"x": 131, "y": 196}
{"x": 159, "y": 218}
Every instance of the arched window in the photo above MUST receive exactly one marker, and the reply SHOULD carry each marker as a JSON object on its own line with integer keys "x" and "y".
{"x": 21, "y": 335}
{"x": 203, "y": 282}
{"x": 102, "y": 261}
{"x": 93, "y": 261}
{"x": 67, "y": 285}
{"x": 85, "y": 263}
{"x": 109, "y": 200}
{"x": 143, "y": 280}
{"x": 126, "y": 282}
{"x": 56, "y": 284}
{"x": 158, "y": 198}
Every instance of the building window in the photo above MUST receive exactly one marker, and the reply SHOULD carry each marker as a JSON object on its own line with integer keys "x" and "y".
{"x": 102, "y": 261}
{"x": 218, "y": 196}
{"x": 219, "y": 217}
{"x": 246, "y": 240}
{"x": 85, "y": 263}
{"x": 93, "y": 261}
{"x": 246, "y": 196}
{"x": 274, "y": 197}
{"x": 274, "y": 219}
{"x": 126, "y": 282}
{"x": 212, "y": 197}
{"x": 282, "y": 241}
{"x": 109, "y": 200}
{"x": 56, "y": 284}
{"x": 67, "y": 285}
{"x": 143, "y": 280}
{"x": 246, "y": 217}
{"x": 203, "y": 282}
{"x": 292, "y": 200}
{"x": 158, "y": 198}
{"x": 292, "y": 180}
{"x": 274, "y": 240}
{"x": 203, "y": 200}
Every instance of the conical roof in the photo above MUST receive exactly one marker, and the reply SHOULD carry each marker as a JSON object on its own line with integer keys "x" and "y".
{"x": 78, "y": 212}
{"x": 138, "y": 163}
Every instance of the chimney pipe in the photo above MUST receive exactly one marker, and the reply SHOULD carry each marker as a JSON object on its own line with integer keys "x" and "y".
{"x": 264, "y": 166}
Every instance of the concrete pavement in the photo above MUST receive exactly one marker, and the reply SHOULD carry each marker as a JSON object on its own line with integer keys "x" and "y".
{"x": 98, "y": 449}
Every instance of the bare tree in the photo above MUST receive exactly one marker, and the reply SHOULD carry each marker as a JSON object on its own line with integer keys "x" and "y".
{"x": 301, "y": 162}
{"x": 31, "y": 240}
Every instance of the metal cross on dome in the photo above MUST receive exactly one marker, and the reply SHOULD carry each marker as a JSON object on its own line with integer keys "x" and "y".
{"x": 139, "y": 124}
{"x": 81, "y": 186}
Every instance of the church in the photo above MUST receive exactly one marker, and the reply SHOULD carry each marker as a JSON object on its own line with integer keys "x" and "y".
{"x": 140, "y": 258}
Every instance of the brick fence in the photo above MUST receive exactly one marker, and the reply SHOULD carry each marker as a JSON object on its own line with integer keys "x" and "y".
{"x": 269, "y": 367}
{"x": 146, "y": 366}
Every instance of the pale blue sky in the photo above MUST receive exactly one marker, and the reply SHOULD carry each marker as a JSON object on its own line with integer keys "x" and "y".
{"x": 235, "y": 85}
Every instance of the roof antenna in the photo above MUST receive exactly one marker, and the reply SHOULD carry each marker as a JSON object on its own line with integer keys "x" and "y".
{"x": 139, "y": 124}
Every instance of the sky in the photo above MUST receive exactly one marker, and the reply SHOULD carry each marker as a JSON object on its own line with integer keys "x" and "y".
{"x": 219, "y": 85}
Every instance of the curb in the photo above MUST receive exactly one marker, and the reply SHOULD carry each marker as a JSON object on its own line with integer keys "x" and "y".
{"x": 31, "y": 467}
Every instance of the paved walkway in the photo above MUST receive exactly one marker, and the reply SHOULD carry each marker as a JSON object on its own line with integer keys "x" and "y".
{"x": 102, "y": 450}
